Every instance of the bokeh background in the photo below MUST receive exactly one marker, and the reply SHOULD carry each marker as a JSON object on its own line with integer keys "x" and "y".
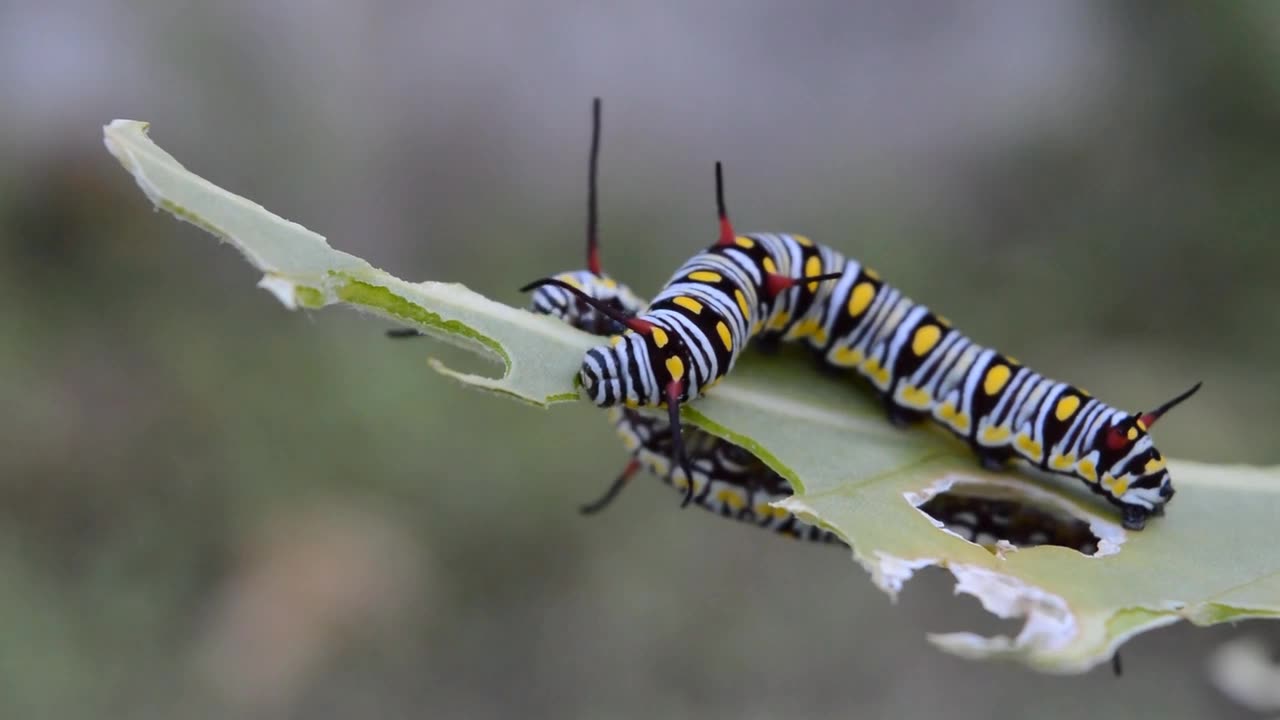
{"x": 212, "y": 507}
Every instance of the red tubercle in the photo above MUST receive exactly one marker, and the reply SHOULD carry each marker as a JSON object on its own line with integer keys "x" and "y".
{"x": 1117, "y": 439}
{"x": 593, "y": 260}
{"x": 726, "y": 232}
{"x": 774, "y": 284}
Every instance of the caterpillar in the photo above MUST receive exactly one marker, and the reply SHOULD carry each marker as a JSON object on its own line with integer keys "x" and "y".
{"x": 987, "y": 520}
{"x": 726, "y": 479}
{"x": 720, "y": 476}
{"x": 785, "y": 287}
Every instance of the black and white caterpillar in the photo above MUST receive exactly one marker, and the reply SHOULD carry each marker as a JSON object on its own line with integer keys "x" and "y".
{"x": 724, "y": 478}
{"x": 785, "y": 287}
{"x": 721, "y": 477}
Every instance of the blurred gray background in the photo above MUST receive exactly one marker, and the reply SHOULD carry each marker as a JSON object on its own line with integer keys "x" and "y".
{"x": 211, "y": 507}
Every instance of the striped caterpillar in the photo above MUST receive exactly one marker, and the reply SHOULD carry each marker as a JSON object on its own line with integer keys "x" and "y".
{"x": 727, "y": 479}
{"x": 718, "y": 476}
{"x": 776, "y": 286}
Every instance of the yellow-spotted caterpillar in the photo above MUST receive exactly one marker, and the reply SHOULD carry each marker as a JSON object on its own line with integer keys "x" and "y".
{"x": 780, "y": 286}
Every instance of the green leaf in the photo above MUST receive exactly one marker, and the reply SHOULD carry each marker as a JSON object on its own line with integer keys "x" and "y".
{"x": 1210, "y": 560}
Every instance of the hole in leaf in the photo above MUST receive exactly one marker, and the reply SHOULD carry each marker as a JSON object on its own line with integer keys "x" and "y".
{"x": 1005, "y": 516}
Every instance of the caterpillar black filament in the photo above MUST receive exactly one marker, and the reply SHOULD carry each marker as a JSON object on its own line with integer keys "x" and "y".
{"x": 777, "y": 286}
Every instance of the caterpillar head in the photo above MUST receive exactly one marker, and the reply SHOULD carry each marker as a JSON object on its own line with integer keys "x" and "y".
{"x": 563, "y": 305}
{"x": 1134, "y": 472}
{"x": 645, "y": 366}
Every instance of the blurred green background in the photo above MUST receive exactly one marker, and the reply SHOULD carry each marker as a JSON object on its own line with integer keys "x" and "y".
{"x": 212, "y": 507}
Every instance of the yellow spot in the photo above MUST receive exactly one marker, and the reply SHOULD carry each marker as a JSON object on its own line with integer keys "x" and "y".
{"x": 730, "y": 498}
{"x": 862, "y": 295}
{"x": 615, "y": 340}
{"x": 705, "y": 276}
{"x": 1012, "y": 359}
{"x": 805, "y": 328}
{"x": 1120, "y": 487}
{"x": 846, "y": 357}
{"x": 609, "y": 282}
{"x": 870, "y": 273}
{"x": 755, "y": 329}
{"x": 1141, "y": 425}
{"x": 1087, "y": 470}
{"x": 631, "y": 403}
{"x": 742, "y": 302}
{"x": 1062, "y": 462}
{"x": 763, "y": 510}
{"x": 768, "y": 265}
{"x": 926, "y": 338}
{"x": 871, "y": 368}
{"x": 812, "y": 267}
{"x": 725, "y": 337}
{"x": 675, "y": 366}
{"x": 779, "y": 321}
{"x": 631, "y": 442}
{"x": 1067, "y": 407}
{"x": 947, "y": 411}
{"x": 744, "y": 242}
{"x": 997, "y": 377}
{"x": 876, "y": 372}
{"x": 995, "y": 434}
{"x": 570, "y": 280}
{"x": 689, "y": 304}
{"x": 914, "y": 397}
{"x": 1153, "y": 466}
{"x": 1028, "y": 446}
{"x": 659, "y": 337}
{"x": 1133, "y": 433}
{"x": 802, "y": 240}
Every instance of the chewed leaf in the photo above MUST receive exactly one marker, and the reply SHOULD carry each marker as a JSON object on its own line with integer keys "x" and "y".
{"x": 302, "y": 270}
{"x": 1041, "y": 549}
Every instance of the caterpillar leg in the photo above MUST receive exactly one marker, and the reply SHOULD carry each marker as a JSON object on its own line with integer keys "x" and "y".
{"x": 767, "y": 344}
{"x": 1134, "y": 517}
{"x": 899, "y": 416}
{"x": 620, "y": 482}
{"x": 993, "y": 459}
{"x": 824, "y": 366}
